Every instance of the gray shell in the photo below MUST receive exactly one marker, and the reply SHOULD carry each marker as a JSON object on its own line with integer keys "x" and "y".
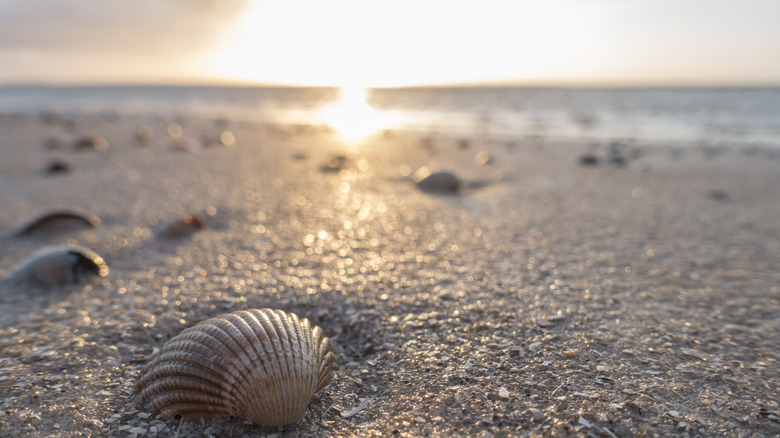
{"x": 56, "y": 266}
{"x": 264, "y": 365}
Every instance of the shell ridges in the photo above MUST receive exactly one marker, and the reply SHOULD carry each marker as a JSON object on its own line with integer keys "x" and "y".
{"x": 261, "y": 364}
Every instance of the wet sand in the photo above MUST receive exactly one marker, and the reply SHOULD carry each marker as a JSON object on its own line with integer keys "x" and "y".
{"x": 545, "y": 298}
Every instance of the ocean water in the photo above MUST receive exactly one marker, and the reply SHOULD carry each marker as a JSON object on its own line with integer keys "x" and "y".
{"x": 733, "y": 117}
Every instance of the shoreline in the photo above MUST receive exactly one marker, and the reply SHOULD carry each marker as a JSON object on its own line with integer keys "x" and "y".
{"x": 710, "y": 117}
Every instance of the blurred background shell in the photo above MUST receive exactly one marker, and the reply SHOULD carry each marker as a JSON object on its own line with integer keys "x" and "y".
{"x": 57, "y": 220}
{"x": 260, "y": 364}
{"x": 182, "y": 226}
{"x": 57, "y": 266}
{"x": 91, "y": 143}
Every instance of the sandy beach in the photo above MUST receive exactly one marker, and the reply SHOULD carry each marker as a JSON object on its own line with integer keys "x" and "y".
{"x": 546, "y": 298}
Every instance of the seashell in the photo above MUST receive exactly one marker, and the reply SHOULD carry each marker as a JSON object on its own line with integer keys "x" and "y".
{"x": 57, "y": 220}
{"x": 442, "y": 182}
{"x": 174, "y": 130}
{"x": 91, "y": 143}
{"x": 226, "y": 138}
{"x": 57, "y": 167}
{"x": 483, "y": 158}
{"x": 718, "y": 195}
{"x": 182, "y": 226}
{"x": 144, "y": 134}
{"x": 182, "y": 144}
{"x": 57, "y": 266}
{"x": 589, "y": 160}
{"x": 260, "y": 364}
{"x": 336, "y": 163}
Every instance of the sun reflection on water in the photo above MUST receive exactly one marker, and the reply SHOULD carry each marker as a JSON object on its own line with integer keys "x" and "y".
{"x": 353, "y": 117}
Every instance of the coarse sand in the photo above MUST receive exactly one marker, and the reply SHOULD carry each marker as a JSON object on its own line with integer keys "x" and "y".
{"x": 636, "y": 295}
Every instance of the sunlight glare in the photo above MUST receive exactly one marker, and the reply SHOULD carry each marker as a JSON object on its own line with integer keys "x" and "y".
{"x": 353, "y": 117}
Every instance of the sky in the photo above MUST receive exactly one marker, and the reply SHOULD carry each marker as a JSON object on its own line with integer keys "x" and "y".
{"x": 361, "y": 43}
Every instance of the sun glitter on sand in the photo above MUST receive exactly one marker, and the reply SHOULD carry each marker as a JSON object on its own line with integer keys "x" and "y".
{"x": 545, "y": 298}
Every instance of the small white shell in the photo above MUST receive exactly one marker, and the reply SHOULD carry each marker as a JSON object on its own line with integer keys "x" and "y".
{"x": 56, "y": 266}
{"x": 265, "y": 365}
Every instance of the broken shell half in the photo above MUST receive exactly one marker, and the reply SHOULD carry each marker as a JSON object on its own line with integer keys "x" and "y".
{"x": 58, "y": 220}
{"x": 57, "y": 266}
{"x": 264, "y": 365}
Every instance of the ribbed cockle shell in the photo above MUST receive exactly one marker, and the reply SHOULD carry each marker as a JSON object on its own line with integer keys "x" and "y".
{"x": 264, "y": 365}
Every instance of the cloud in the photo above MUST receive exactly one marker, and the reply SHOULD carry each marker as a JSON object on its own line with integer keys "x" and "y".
{"x": 148, "y": 27}
{"x": 404, "y": 41}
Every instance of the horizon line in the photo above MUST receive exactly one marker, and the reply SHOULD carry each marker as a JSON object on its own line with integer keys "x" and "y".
{"x": 217, "y": 83}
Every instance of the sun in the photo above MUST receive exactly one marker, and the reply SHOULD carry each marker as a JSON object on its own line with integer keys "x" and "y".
{"x": 353, "y": 117}
{"x": 274, "y": 43}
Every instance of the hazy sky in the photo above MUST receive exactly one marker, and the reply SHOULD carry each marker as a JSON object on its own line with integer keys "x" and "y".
{"x": 383, "y": 43}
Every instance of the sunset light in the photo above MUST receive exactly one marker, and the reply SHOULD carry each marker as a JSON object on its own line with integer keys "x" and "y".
{"x": 353, "y": 117}
{"x": 343, "y": 44}
{"x": 356, "y": 43}
{"x": 390, "y": 218}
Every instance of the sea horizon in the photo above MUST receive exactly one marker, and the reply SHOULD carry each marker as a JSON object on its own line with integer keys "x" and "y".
{"x": 713, "y": 116}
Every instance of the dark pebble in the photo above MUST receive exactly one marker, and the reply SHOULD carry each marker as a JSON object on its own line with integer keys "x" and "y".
{"x": 589, "y": 160}
{"x": 57, "y": 167}
{"x": 719, "y": 195}
{"x": 440, "y": 182}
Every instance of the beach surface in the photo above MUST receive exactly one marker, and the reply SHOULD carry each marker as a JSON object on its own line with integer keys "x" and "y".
{"x": 638, "y": 297}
